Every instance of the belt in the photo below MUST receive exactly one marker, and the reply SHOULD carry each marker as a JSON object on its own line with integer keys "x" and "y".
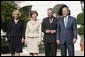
{"x": 32, "y": 37}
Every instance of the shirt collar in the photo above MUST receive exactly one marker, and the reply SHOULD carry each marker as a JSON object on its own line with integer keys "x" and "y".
{"x": 66, "y": 17}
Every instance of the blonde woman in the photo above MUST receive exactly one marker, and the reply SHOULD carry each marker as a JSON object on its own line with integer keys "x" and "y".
{"x": 33, "y": 34}
{"x": 15, "y": 33}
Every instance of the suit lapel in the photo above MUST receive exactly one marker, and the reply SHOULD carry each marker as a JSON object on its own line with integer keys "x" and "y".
{"x": 48, "y": 20}
{"x": 53, "y": 20}
{"x": 62, "y": 19}
{"x": 69, "y": 20}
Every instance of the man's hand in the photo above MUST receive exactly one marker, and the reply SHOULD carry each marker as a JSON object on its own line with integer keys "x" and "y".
{"x": 58, "y": 42}
{"x": 52, "y": 31}
{"x": 6, "y": 39}
{"x": 74, "y": 40}
{"x": 47, "y": 31}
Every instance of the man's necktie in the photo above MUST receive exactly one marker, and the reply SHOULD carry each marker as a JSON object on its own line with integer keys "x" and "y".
{"x": 65, "y": 21}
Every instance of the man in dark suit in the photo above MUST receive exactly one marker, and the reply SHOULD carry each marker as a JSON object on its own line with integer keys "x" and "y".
{"x": 66, "y": 32}
{"x": 49, "y": 29}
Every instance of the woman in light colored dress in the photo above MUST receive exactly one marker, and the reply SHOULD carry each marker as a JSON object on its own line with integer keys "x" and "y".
{"x": 33, "y": 34}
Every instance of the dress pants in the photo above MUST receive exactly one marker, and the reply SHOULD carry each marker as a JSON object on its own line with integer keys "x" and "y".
{"x": 67, "y": 47}
{"x": 50, "y": 49}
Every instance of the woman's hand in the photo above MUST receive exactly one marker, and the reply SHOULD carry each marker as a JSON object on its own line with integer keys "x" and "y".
{"x": 23, "y": 40}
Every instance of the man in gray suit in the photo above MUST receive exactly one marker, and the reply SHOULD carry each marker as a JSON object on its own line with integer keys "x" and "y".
{"x": 66, "y": 32}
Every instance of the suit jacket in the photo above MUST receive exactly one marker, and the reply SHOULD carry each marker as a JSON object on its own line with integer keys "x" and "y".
{"x": 46, "y": 25}
{"x": 14, "y": 30}
{"x": 66, "y": 34}
{"x": 33, "y": 30}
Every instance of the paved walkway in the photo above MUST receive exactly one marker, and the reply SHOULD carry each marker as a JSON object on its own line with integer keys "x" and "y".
{"x": 77, "y": 53}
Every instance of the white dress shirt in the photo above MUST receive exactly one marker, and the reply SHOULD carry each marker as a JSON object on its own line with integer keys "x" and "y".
{"x": 65, "y": 21}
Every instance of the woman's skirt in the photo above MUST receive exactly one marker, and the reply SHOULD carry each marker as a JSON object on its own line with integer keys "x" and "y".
{"x": 32, "y": 45}
{"x": 15, "y": 44}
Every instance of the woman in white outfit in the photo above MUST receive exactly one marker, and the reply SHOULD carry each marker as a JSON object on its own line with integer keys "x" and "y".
{"x": 33, "y": 34}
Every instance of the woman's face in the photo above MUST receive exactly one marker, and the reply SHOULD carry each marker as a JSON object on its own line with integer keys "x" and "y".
{"x": 34, "y": 16}
{"x": 16, "y": 15}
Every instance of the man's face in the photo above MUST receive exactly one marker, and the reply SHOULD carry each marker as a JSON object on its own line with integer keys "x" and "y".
{"x": 50, "y": 13}
{"x": 65, "y": 11}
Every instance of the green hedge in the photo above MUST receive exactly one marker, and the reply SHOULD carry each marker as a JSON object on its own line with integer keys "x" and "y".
{"x": 81, "y": 31}
{"x": 4, "y": 46}
{"x": 80, "y": 21}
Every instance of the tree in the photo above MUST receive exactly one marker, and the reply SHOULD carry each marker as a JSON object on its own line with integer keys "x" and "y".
{"x": 6, "y": 10}
{"x": 25, "y": 14}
